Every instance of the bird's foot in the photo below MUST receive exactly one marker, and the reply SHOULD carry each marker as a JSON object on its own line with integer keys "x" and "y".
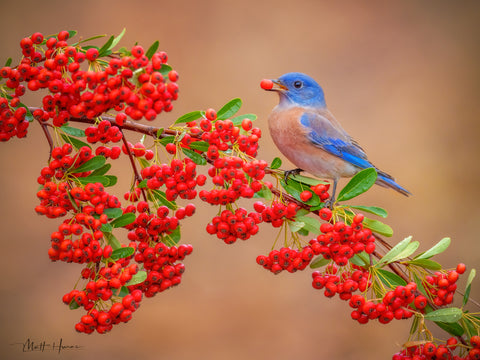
{"x": 289, "y": 173}
{"x": 330, "y": 202}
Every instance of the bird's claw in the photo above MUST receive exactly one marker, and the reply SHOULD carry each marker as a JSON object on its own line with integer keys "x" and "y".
{"x": 288, "y": 173}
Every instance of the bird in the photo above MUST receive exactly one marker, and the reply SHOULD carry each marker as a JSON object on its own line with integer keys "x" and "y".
{"x": 308, "y": 135}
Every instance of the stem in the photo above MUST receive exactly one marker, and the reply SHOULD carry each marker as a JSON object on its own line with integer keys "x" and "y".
{"x": 48, "y": 136}
{"x": 138, "y": 178}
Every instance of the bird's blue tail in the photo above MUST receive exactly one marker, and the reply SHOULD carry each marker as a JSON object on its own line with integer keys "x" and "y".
{"x": 386, "y": 180}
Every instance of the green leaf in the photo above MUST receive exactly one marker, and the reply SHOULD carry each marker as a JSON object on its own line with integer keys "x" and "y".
{"x": 420, "y": 286}
{"x": 237, "y": 120}
{"x": 174, "y": 237}
{"x": 117, "y": 39}
{"x": 470, "y": 326}
{"x": 88, "y": 39}
{"x": 199, "y": 145}
{"x": 113, "y": 213}
{"x": 105, "y": 181}
{"x": 264, "y": 193}
{"x": 276, "y": 163}
{"x": 8, "y": 62}
{"x": 311, "y": 224}
{"x": 360, "y": 183}
{"x": 378, "y": 227}
{"x": 103, "y": 170}
{"x": 294, "y": 226}
{"x": 319, "y": 261}
{"x": 73, "y": 304}
{"x": 447, "y": 315}
{"x": 454, "y": 329}
{"x": 122, "y": 253}
{"x": 71, "y": 33}
{"x": 167, "y": 140}
{"x": 188, "y": 117}
{"x": 106, "y": 228}
{"x": 92, "y": 164}
{"x": 361, "y": 259}
{"x": 426, "y": 264}
{"x": 106, "y": 47}
{"x": 306, "y": 180}
{"x": 142, "y": 184}
{"x": 468, "y": 286}
{"x": 196, "y": 157}
{"x": 77, "y": 144}
{"x": 122, "y": 292}
{"x": 229, "y": 109}
{"x": 436, "y": 249}
{"x": 408, "y": 251}
{"x": 112, "y": 240}
{"x": 152, "y": 49}
{"x": 397, "y": 249}
{"x": 138, "y": 278}
{"x": 390, "y": 279}
{"x": 123, "y": 220}
{"x": 295, "y": 188}
{"x": 371, "y": 209}
{"x": 162, "y": 198}
{"x": 165, "y": 69}
{"x": 112, "y": 179}
{"x": 143, "y": 162}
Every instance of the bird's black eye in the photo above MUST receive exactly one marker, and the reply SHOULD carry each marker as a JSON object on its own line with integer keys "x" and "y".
{"x": 298, "y": 84}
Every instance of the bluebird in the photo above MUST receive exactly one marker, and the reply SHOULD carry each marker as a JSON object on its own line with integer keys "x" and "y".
{"x": 307, "y": 133}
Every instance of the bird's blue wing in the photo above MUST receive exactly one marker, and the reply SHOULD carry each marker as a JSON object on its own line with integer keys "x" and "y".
{"x": 325, "y": 133}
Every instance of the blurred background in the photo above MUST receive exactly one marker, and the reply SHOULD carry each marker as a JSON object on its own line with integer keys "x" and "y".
{"x": 402, "y": 78}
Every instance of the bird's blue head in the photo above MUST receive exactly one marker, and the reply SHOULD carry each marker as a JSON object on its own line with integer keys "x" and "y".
{"x": 299, "y": 89}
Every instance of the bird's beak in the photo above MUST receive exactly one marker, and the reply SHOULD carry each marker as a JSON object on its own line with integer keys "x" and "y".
{"x": 278, "y": 86}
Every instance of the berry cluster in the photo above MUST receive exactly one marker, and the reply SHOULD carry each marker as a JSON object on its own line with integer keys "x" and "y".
{"x": 287, "y": 259}
{"x": 62, "y": 163}
{"x": 92, "y": 201}
{"x": 396, "y": 304}
{"x": 129, "y": 81}
{"x": 341, "y": 242}
{"x": 179, "y": 177}
{"x": 230, "y": 226}
{"x": 277, "y": 213}
{"x": 104, "y": 288}
{"x": 222, "y": 134}
{"x": 12, "y": 118}
{"x": 344, "y": 284}
{"x": 442, "y": 286}
{"x": 103, "y": 132}
{"x": 230, "y": 174}
{"x": 163, "y": 266}
{"x": 430, "y": 351}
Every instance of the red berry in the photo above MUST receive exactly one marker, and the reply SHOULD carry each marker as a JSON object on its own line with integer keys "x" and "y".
{"x": 461, "y": 268}
{"x": 92, "y": 54}
{"x": 305, "y": 195}
{"x": 266, "y": 84}
{"x": 211, "y": 114}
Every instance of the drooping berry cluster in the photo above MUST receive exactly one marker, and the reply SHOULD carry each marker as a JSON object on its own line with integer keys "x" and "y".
{"x": 179, "y": 177}
{"x": 230, "y": 175}
{"x": 277, "y": 213}
{"x": 431, "y": 351}
{"x": 441, "y": 286}
{"x": 287, "y": 259}
{"x": 343, "y": 284}
{"x": 341, "y": 242}
{"x": 230, "y": 226}
{"x": 163, "y": 266}
{"x": 103, "y": 132}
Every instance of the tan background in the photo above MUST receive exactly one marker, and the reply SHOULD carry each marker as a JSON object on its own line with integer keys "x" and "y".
{"x": 402, "y": 77}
